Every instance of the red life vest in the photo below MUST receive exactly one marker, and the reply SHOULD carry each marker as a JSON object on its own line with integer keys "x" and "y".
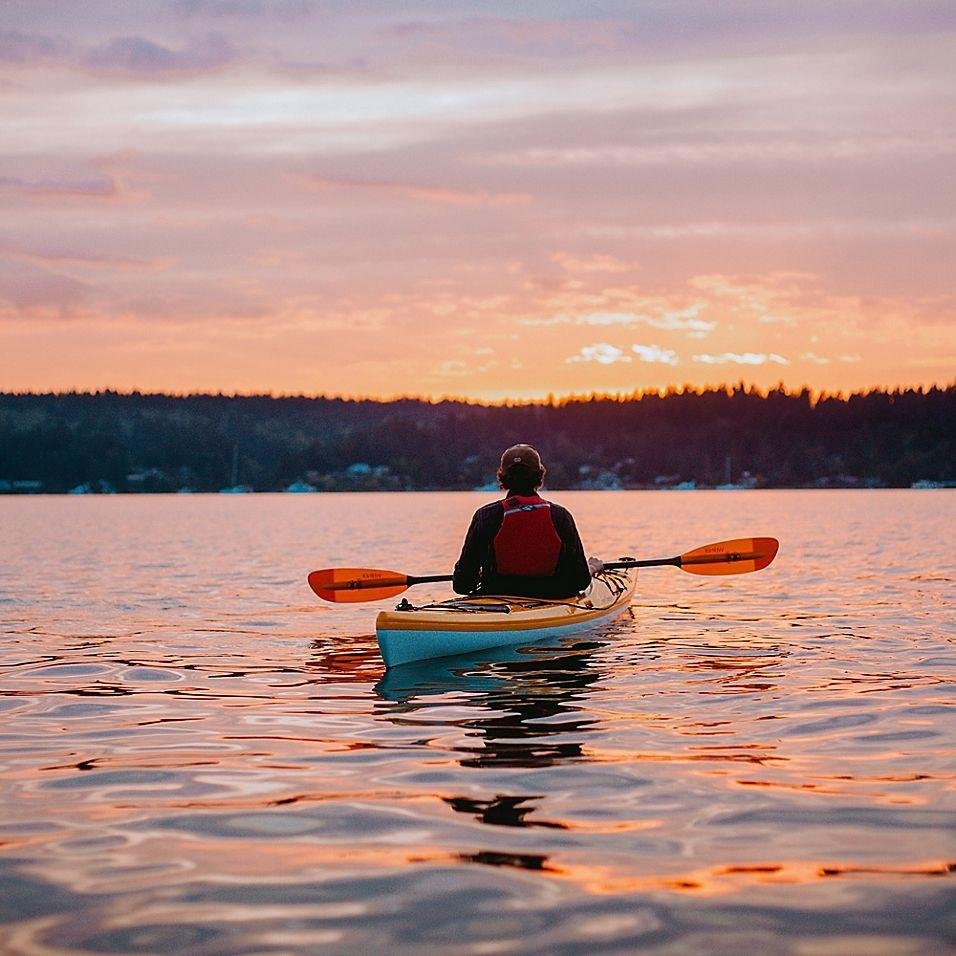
{"x": 527, "y": 543}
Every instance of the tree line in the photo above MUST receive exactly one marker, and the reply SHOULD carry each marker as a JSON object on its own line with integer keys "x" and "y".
{"x": 109, "y": 441}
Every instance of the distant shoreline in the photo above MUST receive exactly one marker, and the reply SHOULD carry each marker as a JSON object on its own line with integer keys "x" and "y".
{"x": 720, "y": 438}
{"x": 949, "y": 486}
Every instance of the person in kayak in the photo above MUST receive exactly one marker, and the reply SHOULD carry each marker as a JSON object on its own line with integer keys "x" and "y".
{"x": 523, "y": 545}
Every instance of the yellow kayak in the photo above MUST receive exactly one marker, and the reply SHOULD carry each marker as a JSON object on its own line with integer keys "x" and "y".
{"x": 466, "y": 624}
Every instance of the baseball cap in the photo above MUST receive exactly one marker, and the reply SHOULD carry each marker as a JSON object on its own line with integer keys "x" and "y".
{"x": 521, "y": 455}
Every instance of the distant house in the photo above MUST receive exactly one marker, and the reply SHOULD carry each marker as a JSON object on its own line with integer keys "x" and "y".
{"x": 146, "y": 474}
{"x": 100, "y": 486}
{"x": 300, "y": 488}
{"x": 601, "y": 481}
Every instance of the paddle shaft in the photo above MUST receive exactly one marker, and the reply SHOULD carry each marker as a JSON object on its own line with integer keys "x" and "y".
{"x": 632, "y": 563}
{"x": 408, "y": 580}
{"x": 681, "y": 561}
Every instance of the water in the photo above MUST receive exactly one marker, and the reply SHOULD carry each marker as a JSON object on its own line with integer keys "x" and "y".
{"x": 197, "y": 756}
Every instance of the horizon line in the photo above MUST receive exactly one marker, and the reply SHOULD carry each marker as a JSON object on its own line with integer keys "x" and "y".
{"x": 548, "y": 400}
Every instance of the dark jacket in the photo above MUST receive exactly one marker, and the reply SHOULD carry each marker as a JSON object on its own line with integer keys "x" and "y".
{"x": 475, "y": 569}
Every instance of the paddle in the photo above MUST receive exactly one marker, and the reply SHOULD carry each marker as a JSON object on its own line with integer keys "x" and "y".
{"x": 364, "y": 584}
{"x": 739, "y": 556}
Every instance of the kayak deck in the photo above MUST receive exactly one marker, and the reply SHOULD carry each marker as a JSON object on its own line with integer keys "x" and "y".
{"x": 462, "y": 625}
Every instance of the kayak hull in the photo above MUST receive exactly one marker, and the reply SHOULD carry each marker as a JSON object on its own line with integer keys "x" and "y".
{"x": 466, "y": 625}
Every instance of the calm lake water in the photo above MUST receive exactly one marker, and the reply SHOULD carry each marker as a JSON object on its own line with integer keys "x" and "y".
{"x": 197, "y": 756}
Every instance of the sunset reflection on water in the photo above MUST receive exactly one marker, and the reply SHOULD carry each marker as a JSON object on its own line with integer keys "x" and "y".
{"x": 197, "y": 757}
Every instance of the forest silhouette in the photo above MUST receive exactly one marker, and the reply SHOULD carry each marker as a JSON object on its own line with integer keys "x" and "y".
{"x": 110, "y": 441}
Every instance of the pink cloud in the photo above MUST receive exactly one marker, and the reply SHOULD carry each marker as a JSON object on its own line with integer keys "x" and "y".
{"x": 23, "y": 48}
{"x": 32, "y": 290}
{"x": 85, "y": 257}
{"x": 135, "y": 56}
{"x": 229, "y": 9}
{"x": 96, "y": 187}
{"x": 518, "y": 35}
{"x": 423, "y": 193}
{"x": 596, "y": 262}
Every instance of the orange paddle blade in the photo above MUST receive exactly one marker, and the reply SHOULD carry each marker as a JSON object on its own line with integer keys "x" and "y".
{"x": 739, "y": 556}
{"x": 342, "y": 585}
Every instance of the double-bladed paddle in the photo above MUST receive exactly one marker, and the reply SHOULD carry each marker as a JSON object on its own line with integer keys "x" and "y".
{"x": 739, "y": 556}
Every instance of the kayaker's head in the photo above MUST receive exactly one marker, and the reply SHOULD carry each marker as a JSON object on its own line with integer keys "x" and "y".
{"x": 521, "y": 471}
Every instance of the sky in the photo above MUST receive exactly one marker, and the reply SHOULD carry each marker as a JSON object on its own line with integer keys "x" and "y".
{"x": 482, "y": 200}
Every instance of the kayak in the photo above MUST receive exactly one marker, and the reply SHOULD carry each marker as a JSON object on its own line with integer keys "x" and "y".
{"x": 476, "y": 623}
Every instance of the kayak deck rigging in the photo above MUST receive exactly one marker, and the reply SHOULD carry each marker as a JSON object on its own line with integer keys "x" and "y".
{"x": 464, "y": 606}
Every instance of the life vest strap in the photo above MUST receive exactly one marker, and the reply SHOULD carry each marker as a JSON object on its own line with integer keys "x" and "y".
{"x": 511, "y": 511}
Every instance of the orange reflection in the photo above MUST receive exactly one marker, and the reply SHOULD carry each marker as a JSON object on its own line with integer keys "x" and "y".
{"x": 625, "y": 756}
{"x": 718, "y": 880}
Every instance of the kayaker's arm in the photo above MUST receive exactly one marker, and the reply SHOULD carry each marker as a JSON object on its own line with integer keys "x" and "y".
{"x": 573, "y": 570}
{"x": 481, "y": 533}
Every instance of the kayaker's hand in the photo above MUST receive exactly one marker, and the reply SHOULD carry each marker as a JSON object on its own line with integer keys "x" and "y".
{"x": 595, "y": 566}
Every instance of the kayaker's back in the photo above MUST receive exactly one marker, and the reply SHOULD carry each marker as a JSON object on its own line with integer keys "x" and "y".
{"x": 523, "y": 546}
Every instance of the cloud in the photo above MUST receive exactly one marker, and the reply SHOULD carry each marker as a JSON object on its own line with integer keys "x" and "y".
{"x": 603, "y": 353}
{"x": 683, "y": 320}
{"x": 713, "y": 148}
{"x": 518, "y": 36}
{"x": 422, "y": 192}
{"x": 453, "y": 368}
{"x": 594, "y": 263}
{"x": 606, "y": 354}
{"x": 815, "y": 359}
{"x": 676, "y": 30}
{"x": 32, "y": 290}
{"x": 84, "y": 257}
{"x": 678, "y": 320}
{"x": 654, "y": 353}
{"x": 135, "y": 56}
{"x": 742, "y": 358}
{"x": 610, "y": 318}
{"x": 99, "y": 186}
{"x": 131, "y": 56}
{"x": 21, "y": 48}
{"x": 244, "y": 8}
